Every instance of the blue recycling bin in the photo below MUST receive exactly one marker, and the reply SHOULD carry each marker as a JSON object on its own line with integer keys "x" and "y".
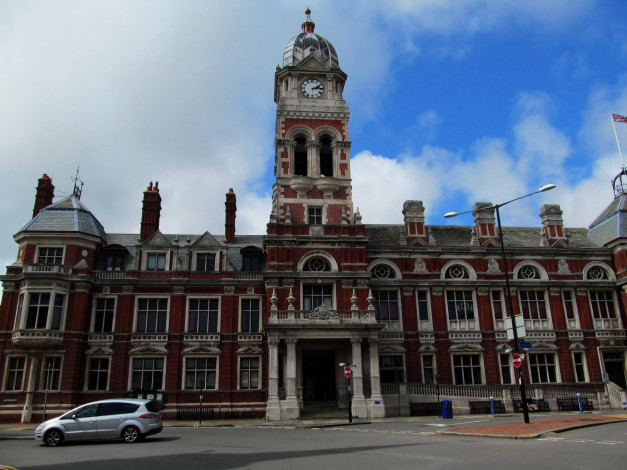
{"x": 447, "y": 409}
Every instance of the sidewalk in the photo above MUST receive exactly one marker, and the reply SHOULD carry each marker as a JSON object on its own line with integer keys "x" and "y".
{"x": 538, "y": 426}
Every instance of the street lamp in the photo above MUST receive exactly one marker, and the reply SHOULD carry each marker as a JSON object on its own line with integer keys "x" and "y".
{"x": 544, "y": 188}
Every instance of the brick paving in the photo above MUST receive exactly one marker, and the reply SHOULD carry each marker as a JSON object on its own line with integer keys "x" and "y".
{"x": 536, "y": 427}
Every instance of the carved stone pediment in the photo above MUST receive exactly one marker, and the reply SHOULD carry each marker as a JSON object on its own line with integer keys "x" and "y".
{"x": 249, "y": 349}
{"x": 157, "y": 239}
{"x": 391, "y": 349}
{"x": 467, "y": 347}
{"x": 98, "y": 350}
{"x": 313, "y": 64}
{"x": 201, "y": 350}
{"x": 206, "y": 240}
{"x": 150, "y": 349}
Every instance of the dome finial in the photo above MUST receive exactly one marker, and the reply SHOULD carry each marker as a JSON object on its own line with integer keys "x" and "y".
{"x": 308, "y": 25}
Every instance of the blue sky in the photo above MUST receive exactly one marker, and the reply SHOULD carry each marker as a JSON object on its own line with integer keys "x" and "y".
{"x": 452, "y": 102}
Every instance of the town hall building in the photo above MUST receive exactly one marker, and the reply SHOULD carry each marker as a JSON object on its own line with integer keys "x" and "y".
{"x": 259, "y": 324}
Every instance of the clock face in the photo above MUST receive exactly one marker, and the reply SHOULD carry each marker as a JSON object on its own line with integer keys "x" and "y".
{"x": 312, "y": 88}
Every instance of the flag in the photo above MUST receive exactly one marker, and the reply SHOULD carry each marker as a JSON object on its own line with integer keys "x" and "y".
{"x": 619, "y": 118}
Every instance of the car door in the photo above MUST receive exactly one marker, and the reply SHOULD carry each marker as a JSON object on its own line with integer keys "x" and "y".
{"x": 110, "y": 417}
{"x": 82, "y": 424}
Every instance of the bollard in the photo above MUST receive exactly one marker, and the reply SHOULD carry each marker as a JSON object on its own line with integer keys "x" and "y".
{"x": 580, "y": 404}
{"x": 492, "y": 405}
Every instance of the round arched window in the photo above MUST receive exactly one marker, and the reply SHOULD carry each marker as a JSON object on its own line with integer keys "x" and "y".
{"x": 457, "y": 271}
{"x": 597, "y": 273}
{"x": 382, "y": 271}
{"x": 528, "y": 272}
{"x": 317, "y": 264}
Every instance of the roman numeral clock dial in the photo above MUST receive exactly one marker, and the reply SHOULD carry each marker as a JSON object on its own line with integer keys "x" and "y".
{"x": 312, "y": 88}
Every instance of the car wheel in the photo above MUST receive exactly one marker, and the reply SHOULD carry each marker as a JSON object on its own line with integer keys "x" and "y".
{"x": 130, "y": 434}
{"x": 53, "y": 438}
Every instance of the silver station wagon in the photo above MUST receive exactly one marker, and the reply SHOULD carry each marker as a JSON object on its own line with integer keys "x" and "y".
{"x": 128, "y": 419}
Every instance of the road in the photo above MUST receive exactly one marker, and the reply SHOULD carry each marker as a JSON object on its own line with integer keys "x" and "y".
{"x": 394, "y": 444}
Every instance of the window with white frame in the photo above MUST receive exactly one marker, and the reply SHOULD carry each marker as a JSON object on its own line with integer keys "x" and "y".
{"x": 391, "y": 369}
{"x": 460, "y": 309}
{"x": 498, "y": 308}
{"x": 50, "y": 256}
{"x": 14, "y": 375}
{"x": 200, "y": 372}
{"x": 314, "y": 215}
{"x": 579, "y": 366}
{"x": 543, "y": 367}
{"x": 383, "y": 271}
{"x": 250, "y": 315}
{"x": 155, "y": 261}
{"x": 428, "y": 368}
{"x": 602, "y": 304}
{"x": 147, "y": 373}
{"x": 457, "y": 271}
{"x": 528, "y": 272}
{"x": 97, "y": 373}
{"x": 44, "y": 311}
{"x": 104, "y": 312}
{"x": 597, "y": 273}
{"x": 424, "y": 310}
{"x": 249, "y": 373}
{"x": 315, "y": 295}
{"x": 317, "y": 264}
{"x": 51, "y": 373}
{"x": 570, "y": 308}
{"x": 205, "y": 262}
{"x": 467, "y": 369}
{"x": 152, "y": 315}
{"x": 534, "y": 309}
{"x": 203, "y": 316}
{"x": 386, "y": 306}
{"x": 506, "y": 369}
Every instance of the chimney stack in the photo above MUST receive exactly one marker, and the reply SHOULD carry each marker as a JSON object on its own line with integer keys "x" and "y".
{"x": 414, "y": 216}
{"x": 151, "y": 211}
{"x": 44, "y": 195}
{"x": 484, "y": 224}
{"x": 229, "y": 224}
{"x": 553, "y": 225}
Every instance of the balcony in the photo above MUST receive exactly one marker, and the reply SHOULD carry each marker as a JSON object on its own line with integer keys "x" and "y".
{"x": 321, "y": 315}
{"x": 47, "y": 268}
{"x": 37, "y": 338}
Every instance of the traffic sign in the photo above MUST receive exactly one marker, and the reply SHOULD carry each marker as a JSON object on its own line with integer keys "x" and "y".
{"x": 347, "y": 372}
{"x": 516, "y": 360}
{"x": 524, "y": 345}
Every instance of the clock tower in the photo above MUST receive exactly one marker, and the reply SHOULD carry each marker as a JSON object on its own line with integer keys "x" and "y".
{"x": 312, "y": 162}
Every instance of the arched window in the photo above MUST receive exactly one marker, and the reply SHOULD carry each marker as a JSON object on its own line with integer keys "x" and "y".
{"x": 317, "y": 264}
{"x": 300, "y": 157}
{"x": 457, "y": 271}
{"x": 528, "y": 272}
{"x": 382, "y": 271}
{"x": 326, "y": 156}
{"x": 596, "y": 273}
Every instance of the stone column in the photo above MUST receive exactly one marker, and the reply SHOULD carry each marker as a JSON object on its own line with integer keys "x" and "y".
{"x": 360, "y": 410}
{"x": 292, "y": 409}
{"x": 376, "y": 398}
{"x": 27, "y": 411}
{"x": 273, "y": 407}
{"x": 313, "y": 159}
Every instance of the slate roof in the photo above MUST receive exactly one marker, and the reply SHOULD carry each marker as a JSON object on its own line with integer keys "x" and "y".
{"x": 67, "y": 215}
{"x": 459, "y": 236}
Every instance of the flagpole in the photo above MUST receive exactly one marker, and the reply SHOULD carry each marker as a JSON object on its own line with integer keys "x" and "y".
{"x": 617, "y": 141}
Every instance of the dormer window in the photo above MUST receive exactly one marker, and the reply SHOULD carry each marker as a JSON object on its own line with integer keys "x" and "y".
{"x": 50, "y": 256}
{"x": 155, "y": 261}
{"x": 252, "y": 258}
{"x": 205, "y": 262}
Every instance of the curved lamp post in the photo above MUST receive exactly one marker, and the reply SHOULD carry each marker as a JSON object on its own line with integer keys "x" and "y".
{"x": 544, "y": 188}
